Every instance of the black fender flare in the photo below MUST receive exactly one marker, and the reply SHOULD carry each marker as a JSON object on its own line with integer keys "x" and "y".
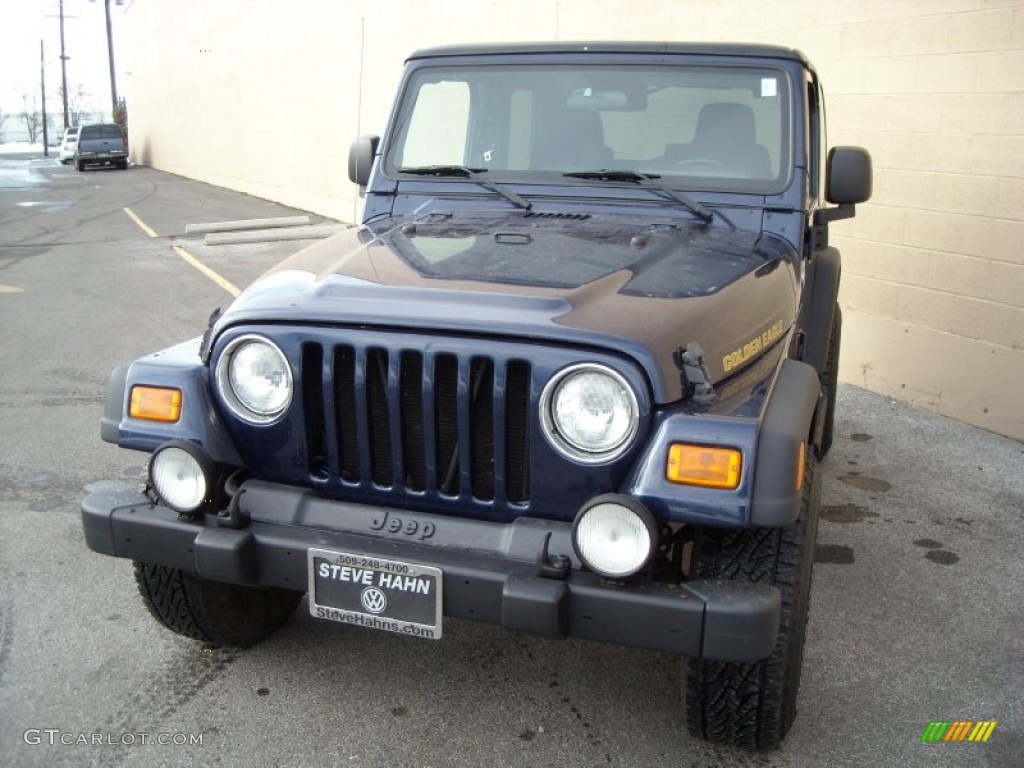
{"x": 786, "y": 426}
{"x": 817, "y": 314}
{"x": 113, "y": 406}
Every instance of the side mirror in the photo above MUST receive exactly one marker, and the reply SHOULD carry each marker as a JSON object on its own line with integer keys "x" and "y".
{"x": 360, "y": 159}
{"x": 847, "y": 182}
{"x": 848, "y": 175}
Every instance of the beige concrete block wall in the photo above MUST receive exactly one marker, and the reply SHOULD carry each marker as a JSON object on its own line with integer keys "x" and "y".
{"x": 933, "y": 289}
{"x": 265, "y": 97}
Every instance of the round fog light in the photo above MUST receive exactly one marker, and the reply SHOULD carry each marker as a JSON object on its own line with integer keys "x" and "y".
{"x": 614, "y": 536}
{"x": 181, "y": 475}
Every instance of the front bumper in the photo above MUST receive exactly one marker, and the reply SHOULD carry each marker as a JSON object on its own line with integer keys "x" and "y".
{"x": 493, "y": 572}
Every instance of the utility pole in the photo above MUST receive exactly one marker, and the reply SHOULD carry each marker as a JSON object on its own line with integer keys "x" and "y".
{"x": 42, "y": 87}
{"x": 110, "y": 55}
{"x": 63, "y": 67}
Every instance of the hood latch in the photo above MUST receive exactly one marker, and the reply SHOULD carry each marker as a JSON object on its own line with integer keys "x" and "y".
{"x": 695, "y": 377}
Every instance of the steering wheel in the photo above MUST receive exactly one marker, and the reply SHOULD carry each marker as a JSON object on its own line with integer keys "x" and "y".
{"x": 700, "y": 161}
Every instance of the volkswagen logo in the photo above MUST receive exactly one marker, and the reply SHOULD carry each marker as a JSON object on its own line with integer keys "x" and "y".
{"x": 373, "y": 600}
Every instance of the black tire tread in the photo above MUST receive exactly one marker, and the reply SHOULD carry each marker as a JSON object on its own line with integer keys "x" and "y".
{"x": 212, "y": 612}
{"x": 753, "y": 704}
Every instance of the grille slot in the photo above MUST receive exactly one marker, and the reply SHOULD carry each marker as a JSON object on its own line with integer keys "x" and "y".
{"x": 313, "y": 401}
{"x": 413, "y": 443}
{"x": 446, "y": 405}
{"x": 443, "y": 424}
{"x": 517, "y": 432}
{"x": 346, "y": 414}
{"x": 379, "y": 416}
{"x": 482, "y": 417}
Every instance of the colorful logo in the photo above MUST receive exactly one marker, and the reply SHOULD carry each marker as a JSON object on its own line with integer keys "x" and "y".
{"x": 958, "y": 730}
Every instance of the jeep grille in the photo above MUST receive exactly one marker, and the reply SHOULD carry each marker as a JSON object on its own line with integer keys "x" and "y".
{"x": 433, "y": 422}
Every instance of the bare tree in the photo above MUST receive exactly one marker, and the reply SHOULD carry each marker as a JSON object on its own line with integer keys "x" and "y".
{"x": 31, "y": 117}
{"x": 56, "y": 125}
{"x": 78, "y": 100}
{"x": 121, "y": 114}
{"x": 3, "y": 119}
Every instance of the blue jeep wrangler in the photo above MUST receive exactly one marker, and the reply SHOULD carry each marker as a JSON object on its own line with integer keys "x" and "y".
{"x": 571, "y": 374}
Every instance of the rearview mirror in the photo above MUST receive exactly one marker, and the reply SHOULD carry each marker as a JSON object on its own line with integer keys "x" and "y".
{"x": 615, "y": 97}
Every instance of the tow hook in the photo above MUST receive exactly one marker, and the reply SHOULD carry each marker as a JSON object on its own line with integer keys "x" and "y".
{"x": 552, "y": 566}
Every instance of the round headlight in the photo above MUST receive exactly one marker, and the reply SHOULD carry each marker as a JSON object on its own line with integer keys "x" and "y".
{"x": 255, "y": 379}
{"x": 181, "y": 475}
{"x": 614, "y": 536}
{"x": 589, "y": 413}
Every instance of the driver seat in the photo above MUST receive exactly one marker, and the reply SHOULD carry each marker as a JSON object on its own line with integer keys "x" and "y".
{"x": 725, "y": 134}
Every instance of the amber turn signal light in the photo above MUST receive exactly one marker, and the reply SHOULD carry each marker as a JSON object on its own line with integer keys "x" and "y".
{"x": 155, "y": 404}
{"x": 703, "y": 465}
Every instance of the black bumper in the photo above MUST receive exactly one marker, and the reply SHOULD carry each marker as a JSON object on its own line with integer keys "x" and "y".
{"x": 101, "y": 158}
{"x": 492, "y": 571}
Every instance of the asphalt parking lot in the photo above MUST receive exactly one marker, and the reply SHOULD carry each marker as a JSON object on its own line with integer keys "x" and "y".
{"x": 917, "y": 612}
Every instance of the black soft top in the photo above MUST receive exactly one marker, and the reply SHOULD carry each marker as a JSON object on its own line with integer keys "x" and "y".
{"x": 740, "y": 50}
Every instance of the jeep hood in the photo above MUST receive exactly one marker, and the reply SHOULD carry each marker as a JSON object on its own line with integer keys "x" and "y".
{"x": 614, "y": 282}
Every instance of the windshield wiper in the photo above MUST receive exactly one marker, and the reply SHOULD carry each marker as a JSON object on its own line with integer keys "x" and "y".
{"x": 646, "y": 180}
{"x": 476, "y": 174}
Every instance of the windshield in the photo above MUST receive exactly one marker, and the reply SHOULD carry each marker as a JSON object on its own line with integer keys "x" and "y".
{"x": 696, "y": 127}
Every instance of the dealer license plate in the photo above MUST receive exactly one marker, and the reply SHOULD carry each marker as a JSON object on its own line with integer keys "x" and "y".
{"x": 373, "y": 592}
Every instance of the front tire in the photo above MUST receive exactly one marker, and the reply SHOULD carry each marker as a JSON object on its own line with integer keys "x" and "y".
{"x": 753, "y": 704}
{"x": 80, "y": 165}
{"x": 213, "y": 612}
